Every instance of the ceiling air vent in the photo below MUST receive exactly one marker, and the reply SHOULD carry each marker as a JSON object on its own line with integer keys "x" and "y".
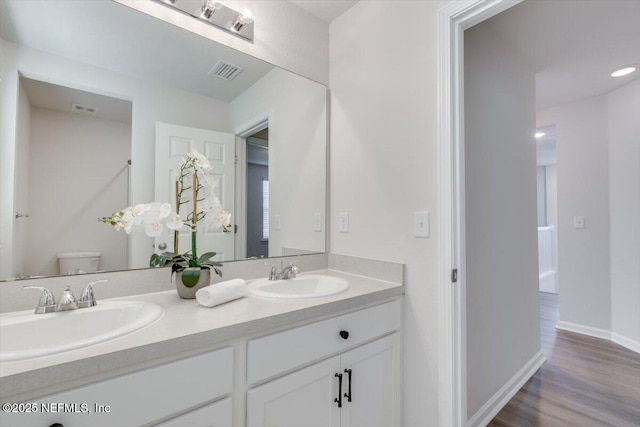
{"x": 225, "y": 70}
{"x": 83, "y": 108}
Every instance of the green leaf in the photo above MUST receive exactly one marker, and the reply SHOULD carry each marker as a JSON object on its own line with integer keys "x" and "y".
{"x": 193, "y": 262}
{"x": 190, "y": 276}
{"x": 155, "y": 261}
{"x": 206, "y": 256}
{"x": 211, "y": 263}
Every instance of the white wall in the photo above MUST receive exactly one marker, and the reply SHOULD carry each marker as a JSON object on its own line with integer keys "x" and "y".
{"x": 541, "y": 187}
{"x": 7, "y": 159}
{"x": 383, "y": 166}
{"x": 151, "y": 103}
{"x": 21, "y": 195}
{"x": 285, "y": 35}
{"x": 624, "y": 209}
{"x": 297, "y": 154}
{"x": 551, "y": 180}
{"x": 69, "y": 190}
{"x": 583, "y": 190}
{"x": 503, "y": 332}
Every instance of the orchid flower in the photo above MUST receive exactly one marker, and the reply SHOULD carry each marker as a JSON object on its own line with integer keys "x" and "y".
{"x": 196, "y": 187}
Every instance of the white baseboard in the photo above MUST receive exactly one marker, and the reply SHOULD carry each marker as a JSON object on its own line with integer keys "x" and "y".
{"x": 632, "y": 345}
{"x": 584, "y": 330}
{"x": 600, "y": 333}
{"x": 490, "y": 409}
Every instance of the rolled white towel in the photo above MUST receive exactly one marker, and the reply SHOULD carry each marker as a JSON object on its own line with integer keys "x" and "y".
{"x": 222, "y": 292}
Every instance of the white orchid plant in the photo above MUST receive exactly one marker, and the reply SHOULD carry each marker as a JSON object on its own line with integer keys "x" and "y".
{"x": 196, "y": 188}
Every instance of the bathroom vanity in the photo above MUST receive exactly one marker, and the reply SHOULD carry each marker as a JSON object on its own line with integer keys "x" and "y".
{"x": 330, "y": 361}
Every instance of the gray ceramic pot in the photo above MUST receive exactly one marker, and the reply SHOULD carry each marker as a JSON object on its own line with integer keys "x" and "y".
{"x": 190, "y": 293}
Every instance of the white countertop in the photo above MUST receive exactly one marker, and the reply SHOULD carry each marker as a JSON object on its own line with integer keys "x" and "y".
{"x": 184, "y": 328}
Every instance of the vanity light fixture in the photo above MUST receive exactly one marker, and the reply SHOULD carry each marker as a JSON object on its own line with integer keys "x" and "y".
{"x": 539, "y": 134}
{"x": 625, "y": 71}
{"x": 244, "y": 18}
{"x": 218, "y": 15}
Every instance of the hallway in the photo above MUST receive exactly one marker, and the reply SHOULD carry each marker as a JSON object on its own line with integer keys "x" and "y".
{"x": 584, "y": 382}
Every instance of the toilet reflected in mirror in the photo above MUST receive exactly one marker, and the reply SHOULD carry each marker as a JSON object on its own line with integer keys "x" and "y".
{"x": 79, "y": 262}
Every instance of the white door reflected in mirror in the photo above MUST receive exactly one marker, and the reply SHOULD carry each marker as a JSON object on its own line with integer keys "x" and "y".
{"x": 173, "y": 143}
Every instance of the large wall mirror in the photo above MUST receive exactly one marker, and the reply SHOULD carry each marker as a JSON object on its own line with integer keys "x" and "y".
{"x": 96, "y": 99}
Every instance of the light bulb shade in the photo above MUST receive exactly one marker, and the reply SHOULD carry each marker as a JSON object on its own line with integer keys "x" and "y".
{"x": 244, "y": 18}
{"x": 208, "y": 8}
{"x": 248, "y": 15}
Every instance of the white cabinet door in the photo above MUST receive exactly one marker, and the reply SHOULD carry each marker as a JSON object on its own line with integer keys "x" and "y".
{"x": 302, "y": 399}
{"x": 217, "y": 414}
{"x": 375, "y": 384}
{"x": 306, "y": 398}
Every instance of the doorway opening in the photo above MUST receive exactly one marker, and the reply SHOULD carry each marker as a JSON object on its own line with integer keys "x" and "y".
{"x": 591, "y": 133}
{"x": 547, "y": 201}
{"x": 257, "y": 194}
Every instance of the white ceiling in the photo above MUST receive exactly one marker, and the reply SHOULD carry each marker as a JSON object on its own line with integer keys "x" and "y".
{"x": 109, "y": 35}
{"x": 60, "y": 98}
{"x": 327, "y": 10}
{"x": 573, "y": 45}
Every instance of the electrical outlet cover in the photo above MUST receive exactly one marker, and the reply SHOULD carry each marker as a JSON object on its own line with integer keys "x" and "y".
{"x": 343, "y": 222}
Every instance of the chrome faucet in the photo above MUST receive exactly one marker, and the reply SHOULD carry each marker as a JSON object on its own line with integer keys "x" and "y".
{"x": 47, "y": 303}
{"x": 67, "y": 301}
{"x": 288, "y": 272}
{"x": 88, "y": 298}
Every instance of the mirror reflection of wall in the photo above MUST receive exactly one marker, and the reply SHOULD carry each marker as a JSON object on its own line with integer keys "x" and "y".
{"x": 258, "y": 194}
{"x": 73, "y": 151}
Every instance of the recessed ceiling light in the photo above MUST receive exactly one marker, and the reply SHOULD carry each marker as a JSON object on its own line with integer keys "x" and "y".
{"x": 540, "y": 134}
{"x": 623, "y": 72}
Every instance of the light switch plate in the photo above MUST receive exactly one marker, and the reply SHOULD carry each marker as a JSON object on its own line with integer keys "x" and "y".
{"x": 317, "y": 221}
{"x": 343, "y": 222}
{"x": 421, "y": 226}
{"x": 578, "y": 222}
{"x": 277, "y": 222}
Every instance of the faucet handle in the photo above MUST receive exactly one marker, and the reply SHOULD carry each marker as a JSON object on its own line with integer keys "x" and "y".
{"x": 67, "y": 300}
{"x": 273, "y": 273}
{"x": 47, "y": 302}
{"x": 294, "y": 268}
{"x": 87, "y": 298}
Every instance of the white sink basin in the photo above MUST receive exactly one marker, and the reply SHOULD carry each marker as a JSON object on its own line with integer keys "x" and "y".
{"x": 27, "y": 335}
{"x": 304, "y": 286}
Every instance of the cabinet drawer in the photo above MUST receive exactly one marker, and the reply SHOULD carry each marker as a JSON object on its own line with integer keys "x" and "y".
{"x": 137, "y": 398}
{"x": 270, "y": 355}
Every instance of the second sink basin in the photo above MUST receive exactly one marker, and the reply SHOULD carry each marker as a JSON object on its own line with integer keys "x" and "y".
{"x": 27, "y": 335}
{"x": 304, "y": 286}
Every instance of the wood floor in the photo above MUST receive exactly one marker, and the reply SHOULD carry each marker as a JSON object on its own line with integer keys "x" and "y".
{"x": 584, "y": 382}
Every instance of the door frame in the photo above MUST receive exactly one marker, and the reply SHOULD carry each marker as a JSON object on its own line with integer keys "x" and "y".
{"x": 453, "y": 19}
{"x": 242, "y": 132}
